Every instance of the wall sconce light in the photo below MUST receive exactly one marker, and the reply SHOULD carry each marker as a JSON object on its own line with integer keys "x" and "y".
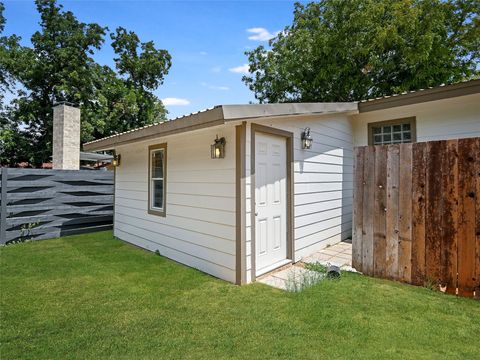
{"x": 116, "y": 160}
{"x": 218, "y": 148}
{"x": 307, "y": 140}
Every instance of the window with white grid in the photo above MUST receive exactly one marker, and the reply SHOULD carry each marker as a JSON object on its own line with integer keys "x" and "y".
{"x": 392, "y": 132}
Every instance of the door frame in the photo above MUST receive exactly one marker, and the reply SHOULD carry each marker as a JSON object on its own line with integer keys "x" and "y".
{"x": 289, "y": 188}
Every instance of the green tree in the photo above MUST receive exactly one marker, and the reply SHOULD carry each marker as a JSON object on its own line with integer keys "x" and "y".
{"x": 125, "y": 100}
{"x": 56, "y": 68}
{"x": 59, "y": 66}
{"x": 9, "y": 46}
{"x": 10, "y": 136}
{"x": 143, "y": 68}
{"x": 339, "y": 50}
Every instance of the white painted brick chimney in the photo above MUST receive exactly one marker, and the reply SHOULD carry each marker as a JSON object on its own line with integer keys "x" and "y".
{"x": 66, "y": 137}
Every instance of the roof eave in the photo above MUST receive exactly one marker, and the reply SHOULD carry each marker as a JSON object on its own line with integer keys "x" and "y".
{"x": 219, "y": 115}
{"x": 420, "y": 96}
{"x": 195, "y": 121}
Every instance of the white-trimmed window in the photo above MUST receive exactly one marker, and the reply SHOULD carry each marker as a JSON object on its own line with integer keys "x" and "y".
{"x": 157, "y": 174}
{"x": 392, "y": 132}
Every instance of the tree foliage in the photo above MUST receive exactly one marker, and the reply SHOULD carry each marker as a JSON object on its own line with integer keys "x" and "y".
{"x": 59, "y": 66}
{"x": 338, "y": 50}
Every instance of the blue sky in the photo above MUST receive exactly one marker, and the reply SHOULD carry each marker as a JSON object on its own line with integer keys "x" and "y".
{"x": 207, "y": 41}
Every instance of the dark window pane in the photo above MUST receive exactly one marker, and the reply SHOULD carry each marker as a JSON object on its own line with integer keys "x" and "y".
{"x": 407, "y": 136}
{"x": 397, "y": 127}
{"x": 387, "y": 138}
{"x": 376, "y": 130}
{"x": 158, "y": 194}
{"x": 377, "y": 139}
{"x": 387, "y": 129}
{"x": 406, "y": 127}
{"x": 157, "y": 164}
{"x": 397, "y": 136}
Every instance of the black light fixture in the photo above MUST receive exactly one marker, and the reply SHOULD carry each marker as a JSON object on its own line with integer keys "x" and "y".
{"x": 116, "y": 160}
{"x": 307, "y": 140}
{"x": 217, "y": 149}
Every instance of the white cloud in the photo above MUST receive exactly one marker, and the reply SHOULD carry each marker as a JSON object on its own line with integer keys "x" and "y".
{"x": 242, "y": 69}
{"x": 171, "y": 101}
{"x": 203, "y": 53}
{"x": 221, "y": 88}
{"x": 214, "y": 87}
{"x": 260, "y": 34}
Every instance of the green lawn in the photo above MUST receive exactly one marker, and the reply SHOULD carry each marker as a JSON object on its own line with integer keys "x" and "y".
{"x": 92, "y": 296}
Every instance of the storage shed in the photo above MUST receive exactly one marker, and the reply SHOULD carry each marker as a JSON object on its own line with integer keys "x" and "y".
{"x": 239, "y": 190}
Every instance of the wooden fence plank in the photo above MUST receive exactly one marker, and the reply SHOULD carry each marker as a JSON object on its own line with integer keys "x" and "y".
{"x": 393, "y": 164}
{"x": 448, "y": 255}
{"x": 430, "y": 232}
{"x": 419, "y": 163}
{"x": 379, "y": 215}
{"x": 367, "y": 212}
{"x": 405, "y": 215}
{"x": 433, "y": 225}
{"x": 467, "y": 153}
{"x": 477, "y": 231}
{"x": 357, "y": 234}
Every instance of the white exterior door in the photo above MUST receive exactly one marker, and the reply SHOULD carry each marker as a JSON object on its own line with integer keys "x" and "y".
{"x": 270, "y": 202}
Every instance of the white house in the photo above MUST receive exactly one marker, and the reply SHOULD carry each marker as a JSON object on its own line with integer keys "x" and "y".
{"x": 260, "y": 198}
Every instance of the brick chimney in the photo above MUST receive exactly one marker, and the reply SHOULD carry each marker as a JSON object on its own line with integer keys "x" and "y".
{"x": 66, "y": 137}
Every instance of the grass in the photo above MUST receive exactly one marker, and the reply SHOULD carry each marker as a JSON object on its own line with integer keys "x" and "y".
{"x": 92, "y": 296}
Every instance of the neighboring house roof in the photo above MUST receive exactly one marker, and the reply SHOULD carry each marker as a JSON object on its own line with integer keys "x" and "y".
{"x": 218, "y": 115}
{"x": 423, "y": 95}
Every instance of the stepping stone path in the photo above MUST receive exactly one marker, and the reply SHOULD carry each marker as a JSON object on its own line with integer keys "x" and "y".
{"x": 296, "y": 277}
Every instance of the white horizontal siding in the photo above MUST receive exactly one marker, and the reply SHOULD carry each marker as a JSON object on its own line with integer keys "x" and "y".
{"x": 323, "y": 183}
{"x": 173, "y": 253}
{"x": 445, "y": 119}
{"x": 219, "y": 230}
{"x": 199, "y": 227}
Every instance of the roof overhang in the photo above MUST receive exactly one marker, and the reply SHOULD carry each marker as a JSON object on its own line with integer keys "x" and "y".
{"x": 91, "y": 156}
{"x": 219, "y": 115}
{"x": 420, "y": 96}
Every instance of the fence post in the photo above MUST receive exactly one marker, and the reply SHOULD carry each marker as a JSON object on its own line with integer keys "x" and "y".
{"x": 3, "y": 208}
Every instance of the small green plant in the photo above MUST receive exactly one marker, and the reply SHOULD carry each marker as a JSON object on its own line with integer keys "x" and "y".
{"x": 316, "y": 267}
{"x": 431, "y": 284}
{"x": 322, "y": 269}
{"x": 300, "y": 280}
{"x": 25, "y": 233}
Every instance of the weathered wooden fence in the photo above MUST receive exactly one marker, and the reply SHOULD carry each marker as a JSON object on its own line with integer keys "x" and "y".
{"x": 417, "y": 214}
{"x": 40, "y": 204}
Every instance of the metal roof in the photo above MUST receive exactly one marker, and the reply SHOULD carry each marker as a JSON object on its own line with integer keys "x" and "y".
{"x": 218, "y": 115}
{"x": 221, "y": 114}
{"x": 443, "y": 91}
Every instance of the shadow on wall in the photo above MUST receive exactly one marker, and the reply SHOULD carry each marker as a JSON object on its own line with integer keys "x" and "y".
{"x": 347, "y": 196}
{"x": 326, "y": 175}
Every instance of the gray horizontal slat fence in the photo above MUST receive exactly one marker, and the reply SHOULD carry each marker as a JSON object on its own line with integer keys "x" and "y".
{"x": 38, "y": 204}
